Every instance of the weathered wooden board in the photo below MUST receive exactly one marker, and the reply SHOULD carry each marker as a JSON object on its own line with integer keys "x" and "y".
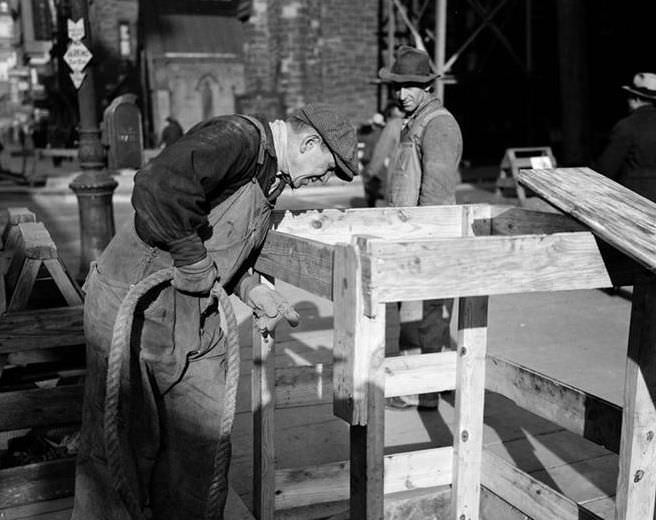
{"x": 37, "y": 482}
{"x": 37, "y": 242}
{"x": 636, "y": 482}
{"x": 305, "y": 263}
{"x": 527, "y": 494}
{"x": 521, "y": 221}
{"x": 45, "y": 328}
{"x": 616, "y": 214}
{"x": 420, "y": 374}
{"x": 471, "y": 266}
{"x": 575, "y": 410}
{"x": 332, "y": 226}
{"x": 40, "y": 407}
{"x": 330, "y": 482}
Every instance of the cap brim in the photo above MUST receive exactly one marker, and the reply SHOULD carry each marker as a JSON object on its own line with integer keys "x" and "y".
{"x": 389, "y": 77}
{"x": 343, "y": 171}
{"x": 638, "y": 92}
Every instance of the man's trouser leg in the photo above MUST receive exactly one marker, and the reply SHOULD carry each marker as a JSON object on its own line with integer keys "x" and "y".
{"x": 430, "y": 334}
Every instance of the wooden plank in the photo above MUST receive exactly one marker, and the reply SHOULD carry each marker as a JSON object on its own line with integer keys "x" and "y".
{"x": 301, "y": 487}
{"x": 471, "y": 266}
{"x": 44, "y": 328}
{"x": 64, "y": 281}
{"x": 358, "y": 382}
{"x": 636, "y": 482}
{"x": 37, "y": 242}
{"x": 356, "y": 339}
{"x": 38, "y": 510}
{"x": 263, "y": 406}
{"x": 13, "y": 271}
{"x": 17, "y": 216}
{"x": 305, "y": 263}
{"x": 470, "y": 395}
{"x": 420, "y": 374}
{"x": 40, "y": 407}
{"x": 527, "y": 494}
{"x": 616, "y": 214}
{"x": 582, "y": 413}
{"x": 37, "y": 482}
{"x": 332, "y": 226}
{"x": 24, "y": 285}
{"x": 520, "y": 221}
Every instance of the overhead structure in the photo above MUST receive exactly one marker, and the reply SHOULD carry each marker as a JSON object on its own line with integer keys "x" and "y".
{"x": 423, "y": 24}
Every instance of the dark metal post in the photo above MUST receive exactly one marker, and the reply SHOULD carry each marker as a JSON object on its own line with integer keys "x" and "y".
{"x": 94, "y": 187}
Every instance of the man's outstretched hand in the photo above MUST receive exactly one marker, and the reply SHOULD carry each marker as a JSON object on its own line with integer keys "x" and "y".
{"x": 269, "y": 307}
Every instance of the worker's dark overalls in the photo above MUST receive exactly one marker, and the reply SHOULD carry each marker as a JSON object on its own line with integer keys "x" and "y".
{"x": 177, "y": 369}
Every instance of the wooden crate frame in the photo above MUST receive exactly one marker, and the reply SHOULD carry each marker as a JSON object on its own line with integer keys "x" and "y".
{"x": 472, "y": 252}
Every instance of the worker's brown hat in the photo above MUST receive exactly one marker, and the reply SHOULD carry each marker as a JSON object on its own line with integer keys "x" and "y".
{"x": 410, "y": 66}
{"x": 644, "y": 85}
{"x": 338, "y": 134}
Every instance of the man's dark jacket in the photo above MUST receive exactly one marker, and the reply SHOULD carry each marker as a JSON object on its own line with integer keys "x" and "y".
{"x": 174, "y": 193}
{"x": 630, "y": 155}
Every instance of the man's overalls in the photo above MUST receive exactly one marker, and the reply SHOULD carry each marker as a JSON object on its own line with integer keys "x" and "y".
{"x": 177, "y": 367}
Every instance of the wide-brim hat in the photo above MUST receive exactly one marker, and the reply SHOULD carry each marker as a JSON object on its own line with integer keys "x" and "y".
{"x": 644, "y": 85}
{"x": 410, "y": 66}
{"x": 339, "y": 135}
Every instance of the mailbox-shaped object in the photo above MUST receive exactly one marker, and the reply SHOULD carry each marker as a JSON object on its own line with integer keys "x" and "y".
{"x": 122, "y": 133}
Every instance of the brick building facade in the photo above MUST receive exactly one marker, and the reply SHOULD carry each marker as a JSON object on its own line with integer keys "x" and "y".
{"x": 192, "y": 66}
{"x": 314, "y": 50}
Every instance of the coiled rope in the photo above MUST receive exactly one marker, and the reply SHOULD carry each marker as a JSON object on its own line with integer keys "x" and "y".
{"x": 119, "y": 356}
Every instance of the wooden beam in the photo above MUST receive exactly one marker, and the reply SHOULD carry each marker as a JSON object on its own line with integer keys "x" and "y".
{"x": 45, "y": 328}
{"x": 21, "y": 292}
{"x": 470, "y": 398}
{"x": 263, "y": 405}
{"x": 616, "y": 214}
{"x": 330, "y": 482}
{"x": 520, "y": 221}
{"x": 420, "y": 374}
{"x": 470, "y": 266}
{"x": 37, "y": 482}
{"x": 575, "y": 410}
{"x": 527, "y": 494}
{"x": 64, "y": 281}
{"x": 37, "y": 242}
{"x": 40, "y": 407}
{"x": 636, "y": 482}
{"x": 306, "y": 264}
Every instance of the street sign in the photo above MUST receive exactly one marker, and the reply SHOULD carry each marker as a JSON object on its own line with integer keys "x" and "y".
{"x": 76, "y": 29}
{"x": 77, "y": 56}
{"x": 77, "y": 78}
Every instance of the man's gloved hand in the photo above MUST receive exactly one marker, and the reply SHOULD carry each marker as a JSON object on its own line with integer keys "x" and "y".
{"x": 198, "y": 277}
{"x": 269, "y": 307}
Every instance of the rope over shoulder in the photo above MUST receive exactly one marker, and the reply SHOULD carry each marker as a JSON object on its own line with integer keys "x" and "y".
{"x": 119, "y": 355}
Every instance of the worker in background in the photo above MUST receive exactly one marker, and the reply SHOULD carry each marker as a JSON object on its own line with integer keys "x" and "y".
{"x": 202, "y": 207}
{"x": 630, "y": 154}
{"x": 423, "y": 172}
{"x": 170, "y": 133}
{"x": 376, "y": 170}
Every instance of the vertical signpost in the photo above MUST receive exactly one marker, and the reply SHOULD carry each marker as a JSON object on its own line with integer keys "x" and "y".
{"x": 94, "y": 187}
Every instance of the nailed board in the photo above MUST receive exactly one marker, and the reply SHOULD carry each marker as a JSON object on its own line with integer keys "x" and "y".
{"x": 616, "y": 214}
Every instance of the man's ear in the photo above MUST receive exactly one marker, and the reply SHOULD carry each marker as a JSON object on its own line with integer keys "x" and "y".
{"x": 309, "y": 142}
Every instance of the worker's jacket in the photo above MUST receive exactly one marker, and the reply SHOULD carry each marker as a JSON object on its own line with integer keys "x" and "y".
{"x": 424, "y": 170}
{"x": 630, "y": 155}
